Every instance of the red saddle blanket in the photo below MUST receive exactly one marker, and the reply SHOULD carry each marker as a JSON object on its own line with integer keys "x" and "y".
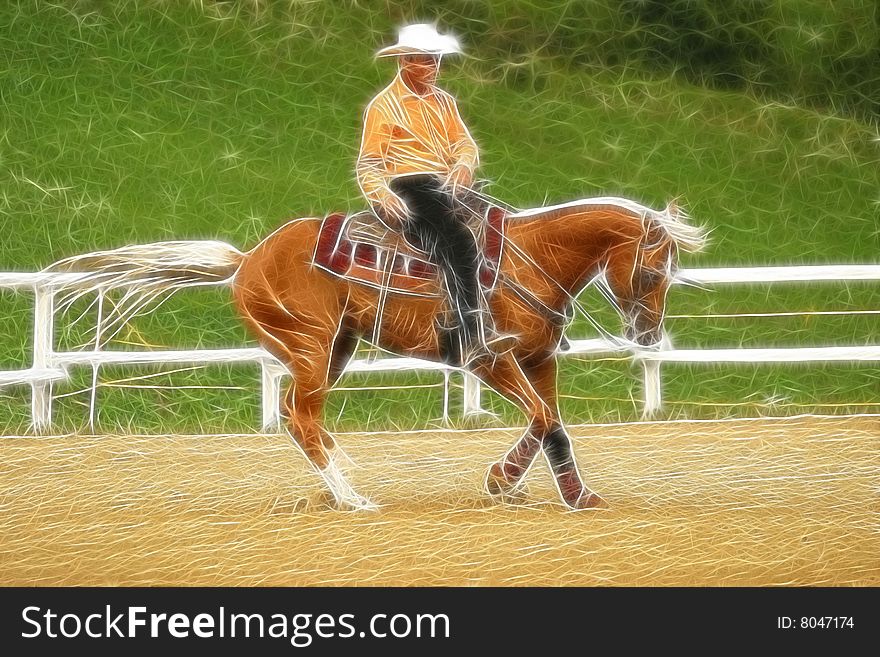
{"x": 342, "y": 254}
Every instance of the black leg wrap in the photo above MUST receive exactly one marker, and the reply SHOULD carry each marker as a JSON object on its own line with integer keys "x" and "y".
{"x": 557, "y": 446}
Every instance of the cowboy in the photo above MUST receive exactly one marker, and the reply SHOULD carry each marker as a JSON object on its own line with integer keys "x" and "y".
{"x": 416, "y": 160}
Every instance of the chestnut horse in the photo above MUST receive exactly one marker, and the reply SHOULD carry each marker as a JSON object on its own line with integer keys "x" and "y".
{"x": 311, "y": 320}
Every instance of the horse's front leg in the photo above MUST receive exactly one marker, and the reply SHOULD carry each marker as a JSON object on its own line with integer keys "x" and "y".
{"x": 545, "y": 432}
{"x": 560, "y": 457}
{"x": 505, "y": 477}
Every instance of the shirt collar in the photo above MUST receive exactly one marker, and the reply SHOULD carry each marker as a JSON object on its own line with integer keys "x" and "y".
{"x": 404, "y": 91}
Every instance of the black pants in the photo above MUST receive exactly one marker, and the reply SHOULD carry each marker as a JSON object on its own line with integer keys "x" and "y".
{"x": 436, "y": 225}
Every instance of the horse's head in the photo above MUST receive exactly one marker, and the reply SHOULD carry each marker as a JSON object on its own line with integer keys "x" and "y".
{"x": 640, "y": 277}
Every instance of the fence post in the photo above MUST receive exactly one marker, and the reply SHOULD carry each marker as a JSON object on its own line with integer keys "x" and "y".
{"x": 93, "y": 396}
{"x": 446, "y": 397}
{"x": 472, "y": 394}
{"x": 271, "y": 393}
{"x": 653, "y": 388}
{"x": 44, "y": 344}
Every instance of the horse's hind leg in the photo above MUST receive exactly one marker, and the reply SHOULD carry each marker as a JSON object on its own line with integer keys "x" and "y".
{"x": 343, "y": 349}
{"x": 304, "y": 404}
{"x": 545, "y": 432}
{"x": 308, "y": 349}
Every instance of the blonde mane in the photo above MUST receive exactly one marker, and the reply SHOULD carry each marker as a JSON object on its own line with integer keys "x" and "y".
{"x": 673, "y": 220}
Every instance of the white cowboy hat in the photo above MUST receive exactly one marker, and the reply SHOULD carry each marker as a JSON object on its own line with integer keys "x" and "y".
{"x": 421, "y": 38}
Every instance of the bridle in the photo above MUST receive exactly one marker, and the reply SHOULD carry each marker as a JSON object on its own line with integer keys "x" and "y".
{"x": 555, "y": 317}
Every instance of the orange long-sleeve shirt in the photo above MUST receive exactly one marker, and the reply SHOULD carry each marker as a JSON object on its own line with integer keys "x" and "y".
{"x": 405, "y": 133}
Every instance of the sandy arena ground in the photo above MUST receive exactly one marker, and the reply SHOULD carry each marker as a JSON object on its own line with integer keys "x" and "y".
{"x": 762, "y": 502}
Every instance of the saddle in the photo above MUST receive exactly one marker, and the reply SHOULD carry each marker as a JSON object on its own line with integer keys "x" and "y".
{"x": 362, "y": 249}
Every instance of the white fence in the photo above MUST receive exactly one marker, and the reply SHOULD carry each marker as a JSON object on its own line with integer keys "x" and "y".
{"x": 49, "y": 365}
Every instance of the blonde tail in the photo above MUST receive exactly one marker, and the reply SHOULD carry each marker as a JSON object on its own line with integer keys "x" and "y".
{"x": 145, "y": 272}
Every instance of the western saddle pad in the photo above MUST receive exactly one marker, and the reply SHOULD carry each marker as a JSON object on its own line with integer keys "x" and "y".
{"x": 360, "y": 248}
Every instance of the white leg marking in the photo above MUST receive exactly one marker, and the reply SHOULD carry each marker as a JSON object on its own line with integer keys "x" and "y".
{"x": 343, "y": 492}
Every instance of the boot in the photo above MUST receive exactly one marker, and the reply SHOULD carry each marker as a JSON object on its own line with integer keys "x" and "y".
{"x": 479, "y": 339}
{"x": 464, "y": 342}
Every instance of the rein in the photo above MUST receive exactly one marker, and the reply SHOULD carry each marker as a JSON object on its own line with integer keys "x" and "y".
{"x": 554, "y": 316}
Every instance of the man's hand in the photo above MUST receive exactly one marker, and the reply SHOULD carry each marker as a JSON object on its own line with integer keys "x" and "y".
{"x": 393, "y": 211}
{"x": 460, "y": 176}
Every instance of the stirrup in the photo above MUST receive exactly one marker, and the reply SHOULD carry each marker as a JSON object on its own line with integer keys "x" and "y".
{"x": 489, "y": 336}
{"x": 490, "y": 347}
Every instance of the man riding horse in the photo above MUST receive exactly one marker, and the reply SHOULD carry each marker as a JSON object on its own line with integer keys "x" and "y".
{"x": 416, "y": 158}
{"x": 416, "y": 164}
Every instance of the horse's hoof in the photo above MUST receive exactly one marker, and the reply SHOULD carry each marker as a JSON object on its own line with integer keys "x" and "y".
{"x": 356, "y": 504}
{"x": 502, "y": 490}
{"x": 590, "y": 501}
{"x": 495, "y": 483}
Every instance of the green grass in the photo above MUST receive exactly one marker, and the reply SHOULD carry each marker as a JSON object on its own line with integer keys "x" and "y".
{"x": 160, "y": 120}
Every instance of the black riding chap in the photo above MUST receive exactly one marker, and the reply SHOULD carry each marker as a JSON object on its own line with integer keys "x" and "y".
{"x": 436, "y": 225}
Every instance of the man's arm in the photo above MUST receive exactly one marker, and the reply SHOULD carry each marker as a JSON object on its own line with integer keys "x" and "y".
{"x": 464, "y": 148}
{"x": 370, "y": 167}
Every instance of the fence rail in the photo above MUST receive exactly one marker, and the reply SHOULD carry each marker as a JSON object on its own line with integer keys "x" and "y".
{"x": 49, "y": 366}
